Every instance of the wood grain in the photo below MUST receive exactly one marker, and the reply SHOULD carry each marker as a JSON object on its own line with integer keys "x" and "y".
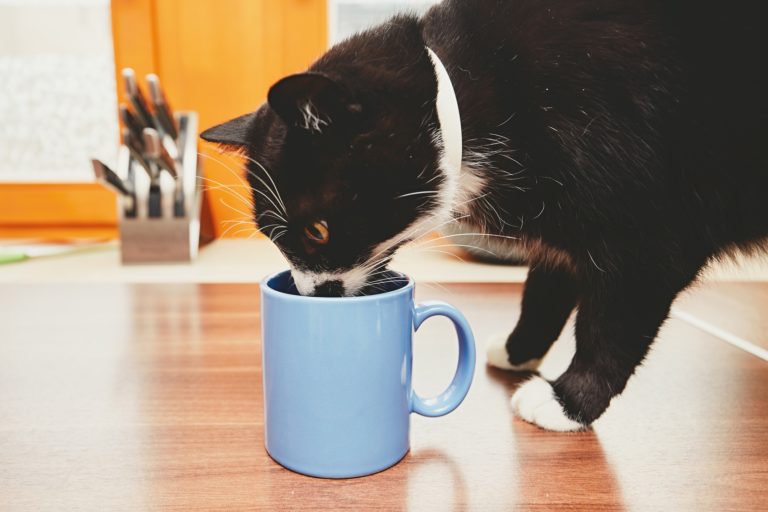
{"x": 148, "y": 397}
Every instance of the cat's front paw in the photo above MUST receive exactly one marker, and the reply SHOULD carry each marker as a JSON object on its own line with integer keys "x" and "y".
{"x": 535, "y": 402}
{"x": 498, "y": 357}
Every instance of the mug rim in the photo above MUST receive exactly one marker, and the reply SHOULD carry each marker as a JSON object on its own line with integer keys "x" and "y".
{"x": 268, "y": 290}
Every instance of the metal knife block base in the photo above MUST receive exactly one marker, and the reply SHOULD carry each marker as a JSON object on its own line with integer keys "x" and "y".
{"x": 158, "y": 240}
{"x": 166, "y": 239}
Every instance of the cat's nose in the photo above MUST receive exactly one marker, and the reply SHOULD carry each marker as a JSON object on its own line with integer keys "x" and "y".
{"x": 329, "y": 289}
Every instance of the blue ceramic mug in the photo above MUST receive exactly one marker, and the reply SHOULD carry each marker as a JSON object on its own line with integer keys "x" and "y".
{"x": 337, "y": 376}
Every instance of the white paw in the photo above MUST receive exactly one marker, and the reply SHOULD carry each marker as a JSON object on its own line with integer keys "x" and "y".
{"x": 496, "y": 354}
{"x": 535, "y": 402}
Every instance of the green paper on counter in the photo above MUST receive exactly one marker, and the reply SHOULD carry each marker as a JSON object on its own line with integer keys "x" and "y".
{"x": 11, "y": 257}
{"x": 18, "y": 253}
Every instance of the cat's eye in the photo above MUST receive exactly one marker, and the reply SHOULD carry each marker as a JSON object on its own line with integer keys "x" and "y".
{"x": 317, "y": 232}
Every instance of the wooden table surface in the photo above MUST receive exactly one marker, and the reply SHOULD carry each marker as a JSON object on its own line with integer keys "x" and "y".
{"x": 148, "y": 397}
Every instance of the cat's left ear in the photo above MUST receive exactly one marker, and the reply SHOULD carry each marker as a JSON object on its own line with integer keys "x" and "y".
{"x": 233, "y": 133}
{"x": 312, "y": 101}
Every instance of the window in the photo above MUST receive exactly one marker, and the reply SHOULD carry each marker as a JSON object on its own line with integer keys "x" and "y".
{"x": 349, "y": 16}
{"x": 57, "y": 89}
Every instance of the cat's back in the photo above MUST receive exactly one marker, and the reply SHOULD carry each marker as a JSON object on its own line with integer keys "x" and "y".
{"x": 684, "y": 65}
{"x": 679, "y": 84}
{"x": 720, "y": 44}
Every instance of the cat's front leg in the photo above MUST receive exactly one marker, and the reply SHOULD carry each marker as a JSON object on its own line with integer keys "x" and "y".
{"x": 617, "y": 321}
{"x": 549, "y": 297}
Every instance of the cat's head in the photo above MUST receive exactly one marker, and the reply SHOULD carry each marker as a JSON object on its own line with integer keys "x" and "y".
{"x": 344, "y": 160}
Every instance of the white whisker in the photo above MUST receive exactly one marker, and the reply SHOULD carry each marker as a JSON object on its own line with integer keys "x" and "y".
{"x": 430, "y": 229}
{"x": 553, "y": 179}
{"x": 277, "y": 224}
{"x": 230, "y": 221}
{"x": 233, "y": 226}
{"x": 420, "y": 193}
{"x": 469, "y": 247}
{"x": 236, "y": 233}
{"x": 433, "y": 284}
{"x": 273, "y": 213}
{"x": 274, "y": 188}
{"x": 468, "y": 234}
{"x": 433, "y": 178}
{"x": 449, "y": 253}
{"x": 222, "y": 201}
{"x": 236, "y": 195}
{"x": 278, "y": 205}
{"x": 506, "y": 120}
{"x": 595, "y": 263}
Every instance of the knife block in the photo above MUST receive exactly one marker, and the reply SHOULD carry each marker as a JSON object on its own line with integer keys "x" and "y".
{"x": 165, "y": 239}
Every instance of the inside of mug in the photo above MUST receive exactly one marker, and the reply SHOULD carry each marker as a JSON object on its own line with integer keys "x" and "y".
{"x": 384, "y": 282}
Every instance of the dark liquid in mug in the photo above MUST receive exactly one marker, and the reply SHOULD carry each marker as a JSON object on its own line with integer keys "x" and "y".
{"x": 385, "y": 282}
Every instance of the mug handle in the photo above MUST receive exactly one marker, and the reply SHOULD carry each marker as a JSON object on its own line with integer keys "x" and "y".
{"x": 449, "y": 399}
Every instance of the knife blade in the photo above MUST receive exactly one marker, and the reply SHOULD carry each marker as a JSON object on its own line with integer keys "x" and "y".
{"x": 136, "y": 147}
{"x": 110, "y": 180}
{"x": 131, "y": 121}
{"x": 156, "y": 152}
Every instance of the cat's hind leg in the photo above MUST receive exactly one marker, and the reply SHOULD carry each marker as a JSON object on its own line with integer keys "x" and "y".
{"x": 549, "y": 297}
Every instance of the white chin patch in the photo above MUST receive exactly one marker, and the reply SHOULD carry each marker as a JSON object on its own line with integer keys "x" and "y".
{"x": 535, "y": 402}
{"x": 496, "y": 354}
{"x": 306, "y": 282}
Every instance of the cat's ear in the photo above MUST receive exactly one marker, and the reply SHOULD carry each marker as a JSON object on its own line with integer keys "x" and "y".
{"x": 233, "y": 133}
{"x": 312, "y": 101}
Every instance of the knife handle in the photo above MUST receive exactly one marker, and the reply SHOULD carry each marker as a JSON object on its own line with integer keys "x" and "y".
{"x": 135, "y": 146}
{"x": 163, "y": 113}
{"x": 178, "y": 202}
{"x": 135, "y": 96}
{"x": 155, "y": 201}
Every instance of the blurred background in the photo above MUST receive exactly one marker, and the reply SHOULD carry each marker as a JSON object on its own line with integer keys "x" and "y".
{"x": 60, "y": 62}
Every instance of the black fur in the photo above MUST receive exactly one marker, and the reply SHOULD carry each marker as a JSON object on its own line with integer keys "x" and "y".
{"x": 623, "y": 141}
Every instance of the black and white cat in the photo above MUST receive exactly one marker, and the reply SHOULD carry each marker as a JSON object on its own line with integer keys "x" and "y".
{"x": 622, "y": 142}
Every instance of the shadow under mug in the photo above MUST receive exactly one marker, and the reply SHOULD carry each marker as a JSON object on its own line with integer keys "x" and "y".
{"x": 337, "y": 376}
